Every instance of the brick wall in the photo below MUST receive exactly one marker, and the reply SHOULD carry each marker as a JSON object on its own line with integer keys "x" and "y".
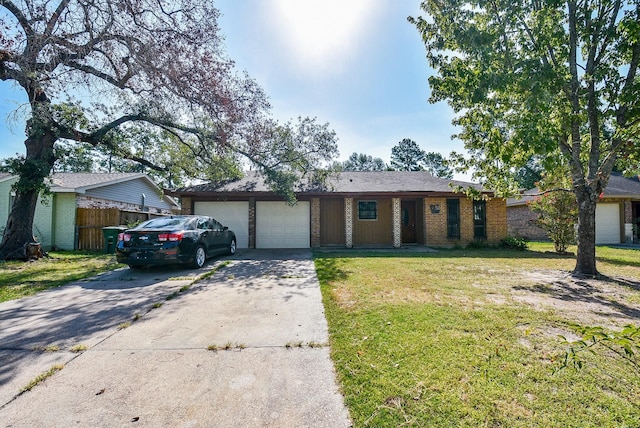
{"x": 466, "y": 220}
{"x": 84, "y": 201}
{"x": 520, "y": 224}
{"x": 496, "y": 220}
{"x": 436, "y": 222}
{"x": 186, "y": 205}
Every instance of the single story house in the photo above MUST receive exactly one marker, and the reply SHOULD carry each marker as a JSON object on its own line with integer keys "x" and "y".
{"x": 351, "y": 209}
{"x": 617, "y": 213}
{"x": 58, "y": 218}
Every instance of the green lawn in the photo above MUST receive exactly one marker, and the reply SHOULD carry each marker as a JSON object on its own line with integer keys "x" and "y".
{"x": 447, "y": 339}
{"x": 20, "y": 279}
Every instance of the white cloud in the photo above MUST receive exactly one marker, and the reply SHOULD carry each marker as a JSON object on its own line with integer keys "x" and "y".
{"x": 321, "y": 36}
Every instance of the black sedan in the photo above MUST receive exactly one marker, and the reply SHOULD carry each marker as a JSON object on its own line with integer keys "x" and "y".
{"x": 177, "y": 239}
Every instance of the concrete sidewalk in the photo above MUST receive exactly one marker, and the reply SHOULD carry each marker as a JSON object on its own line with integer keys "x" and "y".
{"x": 245, "y": 347}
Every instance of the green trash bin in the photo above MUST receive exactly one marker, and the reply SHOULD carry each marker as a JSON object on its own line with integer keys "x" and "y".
{"x": 110, "y": 234}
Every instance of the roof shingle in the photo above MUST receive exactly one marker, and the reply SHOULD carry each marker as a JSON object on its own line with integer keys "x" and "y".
{"x": 341, "y": 182}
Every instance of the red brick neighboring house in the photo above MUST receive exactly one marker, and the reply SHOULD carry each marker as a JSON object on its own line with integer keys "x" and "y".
{"x": 352, "y": 209}
{"x": 617, "y": 213}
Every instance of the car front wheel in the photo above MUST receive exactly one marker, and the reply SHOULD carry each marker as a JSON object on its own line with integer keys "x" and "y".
{"x": 232, "y": 247}
{"x": 199, "y": 257}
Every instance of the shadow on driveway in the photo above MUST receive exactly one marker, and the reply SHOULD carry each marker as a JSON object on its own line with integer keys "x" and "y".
{"x": 80, "y": 313}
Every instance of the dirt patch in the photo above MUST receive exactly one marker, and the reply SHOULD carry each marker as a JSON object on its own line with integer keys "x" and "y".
{"x": 607, "y": 302}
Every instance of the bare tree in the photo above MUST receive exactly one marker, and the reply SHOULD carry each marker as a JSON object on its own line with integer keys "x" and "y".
{"x": 142, "y": 64}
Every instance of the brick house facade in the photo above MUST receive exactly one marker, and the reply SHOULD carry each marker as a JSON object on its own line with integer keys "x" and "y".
{"x": 352, "y": 209}
{"x": 617, "y": 213}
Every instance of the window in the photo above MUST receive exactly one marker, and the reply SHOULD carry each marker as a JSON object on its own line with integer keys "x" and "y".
{"x": 453, "y": 218}
{"x": 480, "y": 219}
{"x": 203, "y": 223}
{"x": 367, "y": 210}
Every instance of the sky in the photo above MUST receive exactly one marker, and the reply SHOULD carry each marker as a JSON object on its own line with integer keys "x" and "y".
{"x": 356, "y": 64}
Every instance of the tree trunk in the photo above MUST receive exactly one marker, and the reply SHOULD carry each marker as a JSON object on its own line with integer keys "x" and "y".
{"x": 586, "y": 259}
{"x": 37, "y": 165}
{"x": 19, "y": 230}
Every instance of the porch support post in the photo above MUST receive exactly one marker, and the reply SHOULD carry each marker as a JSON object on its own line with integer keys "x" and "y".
{"x": 315, "y": 222}
{"x": 397, "y": 223}
{"x": 252, "y": 222}
{"x": 628, "y": 222}
{"x": 348, "y": 222}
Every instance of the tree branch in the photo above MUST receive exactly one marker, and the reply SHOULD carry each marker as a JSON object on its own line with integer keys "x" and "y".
{"x": 99, "y": 74}
{"x": 17, "y": 13}
{"x": 610, "y": 30}
{"x": 54, "y": 18}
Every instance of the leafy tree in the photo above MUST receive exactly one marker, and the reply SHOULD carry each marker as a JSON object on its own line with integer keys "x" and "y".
{"x": 363, "y": 162}
{"x": 620, "y": 347}
{"x": 556, "y": 79}
{"x": 147, "y": 65}
{"x": 288, "y": 151}
{"x": 407, "y": 156}
{"x": 529, "y": 175}
{"x": 437, "y": 165}
{"x": 75, "y": 158}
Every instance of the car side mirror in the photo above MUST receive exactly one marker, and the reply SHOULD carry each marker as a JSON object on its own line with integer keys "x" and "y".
{"x": 225, "y": 228}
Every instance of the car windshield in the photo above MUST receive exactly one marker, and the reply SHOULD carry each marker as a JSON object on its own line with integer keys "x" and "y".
{"x": 164, "y": 223}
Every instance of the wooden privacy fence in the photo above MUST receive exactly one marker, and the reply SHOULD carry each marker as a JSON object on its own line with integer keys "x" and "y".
{"x": 90, "y": 221}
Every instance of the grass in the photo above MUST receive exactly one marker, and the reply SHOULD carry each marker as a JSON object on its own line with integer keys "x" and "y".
{"x": 42, "y": 377}
{"x": 226, "y": 347}
{"x": 76, "y": 349}
{"x": 437, "y": 339}
{"x": 124, "y": 325}
{"x": 21, "y": 279}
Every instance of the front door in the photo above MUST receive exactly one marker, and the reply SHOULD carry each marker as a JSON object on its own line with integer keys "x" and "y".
{"x": 408, "y": 221}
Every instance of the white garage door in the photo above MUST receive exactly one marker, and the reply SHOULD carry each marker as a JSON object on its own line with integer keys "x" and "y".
{"x": 279, "y": 225}
{"x": 607, "y": 224}
{"x": 235, "y": 215}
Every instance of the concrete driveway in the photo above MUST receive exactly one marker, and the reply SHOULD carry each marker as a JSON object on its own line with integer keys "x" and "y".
{"x": 246, "y": 346}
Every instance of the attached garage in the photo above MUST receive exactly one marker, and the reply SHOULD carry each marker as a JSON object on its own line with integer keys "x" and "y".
{"x": 279, "y": 225}
{"x": 608, "y": 223}
{"x": 234, "y": 214}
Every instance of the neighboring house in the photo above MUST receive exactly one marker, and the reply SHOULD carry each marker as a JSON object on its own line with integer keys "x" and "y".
{"x": 521, "y": 220}
{"x": 352, "y": 209}
{"x": 56, "y": 217}
{"x": 617, "y": 213}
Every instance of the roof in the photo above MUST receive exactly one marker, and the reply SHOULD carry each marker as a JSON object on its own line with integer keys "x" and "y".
{"x": 620, "y": 186}
{"x": 339, "y": 182}
{"x": 525, "y": 197}
{"x": 617, "y": 187}
{"x": 80, "y": 182}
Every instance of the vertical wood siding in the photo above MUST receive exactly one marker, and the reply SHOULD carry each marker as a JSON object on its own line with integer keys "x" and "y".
{"x": 374, "y": 232}
{"x": 332, "y": 224}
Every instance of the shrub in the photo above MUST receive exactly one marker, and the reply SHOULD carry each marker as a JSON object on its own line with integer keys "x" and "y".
{"x": 478, "y": 245}
{"x": 512, "y": 243}
{"x": 558, "y": 214}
